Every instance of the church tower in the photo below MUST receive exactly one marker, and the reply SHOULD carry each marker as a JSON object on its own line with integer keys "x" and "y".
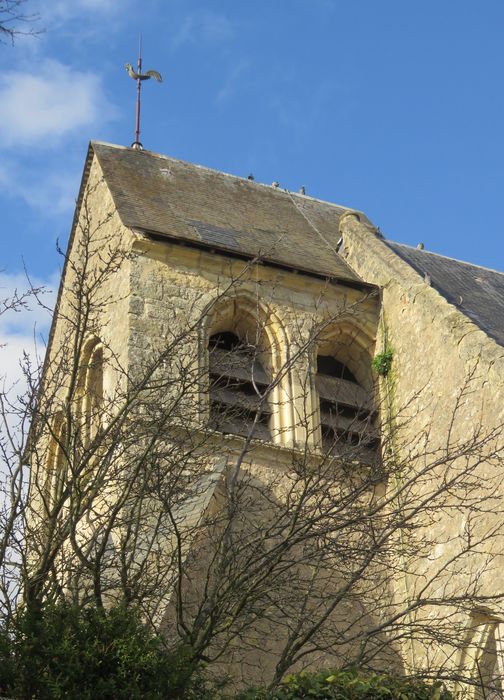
{"x": 249, "y": 398}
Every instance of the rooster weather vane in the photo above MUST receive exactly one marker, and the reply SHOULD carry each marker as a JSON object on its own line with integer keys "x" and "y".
{"x": 139, "y": 77}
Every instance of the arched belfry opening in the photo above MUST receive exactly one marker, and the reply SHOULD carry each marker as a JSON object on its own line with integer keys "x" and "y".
{"x": 238, "y": 386}
{"x": 347, "y": 412}
{"x": 244, "y": 352}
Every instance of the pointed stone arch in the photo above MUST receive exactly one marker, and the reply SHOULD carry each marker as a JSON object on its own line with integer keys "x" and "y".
{"x": 482, "y": 656}
{"x": 343, "y": 383}
{"x": 56, "y": 460}
{"x": 91, "y": 389}
{"x": 258, "y": 332}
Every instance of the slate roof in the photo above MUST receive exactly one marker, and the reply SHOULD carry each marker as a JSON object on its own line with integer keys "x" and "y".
{"x": 174, "y": 199}
{"x": 476, "y": 291}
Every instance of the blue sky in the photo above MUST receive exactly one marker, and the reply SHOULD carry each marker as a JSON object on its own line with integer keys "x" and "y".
{"x": 394, "y": 107}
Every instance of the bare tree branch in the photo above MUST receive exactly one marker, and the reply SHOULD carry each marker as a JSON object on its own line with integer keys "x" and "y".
{"x": 159, "y": 477}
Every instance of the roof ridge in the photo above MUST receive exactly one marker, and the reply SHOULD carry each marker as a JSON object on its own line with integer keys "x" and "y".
{"x": 445, "y": 257}
{"x": 183, "y": 201}
{"x": 280, "y": 190}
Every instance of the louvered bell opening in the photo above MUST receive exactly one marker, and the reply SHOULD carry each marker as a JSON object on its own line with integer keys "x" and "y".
{"x": 237, "y": 383}
{"x": 347, "y": 416}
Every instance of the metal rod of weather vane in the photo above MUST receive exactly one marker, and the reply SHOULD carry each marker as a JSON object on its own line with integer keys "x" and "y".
{"x": 139, "y": 87}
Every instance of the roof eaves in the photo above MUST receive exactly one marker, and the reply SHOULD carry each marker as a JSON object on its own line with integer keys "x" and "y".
{"x": 268, "y": 262}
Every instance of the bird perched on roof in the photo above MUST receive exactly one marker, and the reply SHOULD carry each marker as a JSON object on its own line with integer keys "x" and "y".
{"x": 143, "y": 76}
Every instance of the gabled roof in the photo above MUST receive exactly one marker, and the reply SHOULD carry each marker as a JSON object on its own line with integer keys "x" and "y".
{"x": 477, "y": 292}
{"x": 169, "y": 198}
{"x": 173, "y": 199}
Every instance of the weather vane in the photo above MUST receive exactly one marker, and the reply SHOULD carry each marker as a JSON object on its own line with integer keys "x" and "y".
{"x": 139, "y": 76}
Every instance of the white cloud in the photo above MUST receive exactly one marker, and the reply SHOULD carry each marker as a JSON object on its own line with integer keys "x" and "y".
{"x": 37, "y": 186}
{"x": 302, "y": 113}
{"x": 23, "y": 331}
{"x": 44, "y": 106}
{"x": 203, "y": 26}
{"x": 103, "y": 6}
{"x": 61, "y": 11}
{"x": 79, "y": 21}
{"x": 233, "y": 82}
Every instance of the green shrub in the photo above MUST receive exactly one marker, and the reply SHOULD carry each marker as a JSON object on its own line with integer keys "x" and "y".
{"x": 350, "y": 685}
{"x": 63, "y": 651}
{"x": 382, "y": 362}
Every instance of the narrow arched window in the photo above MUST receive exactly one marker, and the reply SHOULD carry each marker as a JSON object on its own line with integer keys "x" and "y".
{"x": 482, "y": 656}
{"x": 489, "y": 663}
{"x": 347, "y": 415}
{"x": 92, "y": 391}
{"x": 59, "y": 464}
{"x": 238, "y": 387}
{"x": 56, "y": 460}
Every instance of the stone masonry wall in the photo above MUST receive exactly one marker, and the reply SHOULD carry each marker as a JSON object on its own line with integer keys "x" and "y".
{"x": 447, "y": 386}
{"x": 179, "y": 296}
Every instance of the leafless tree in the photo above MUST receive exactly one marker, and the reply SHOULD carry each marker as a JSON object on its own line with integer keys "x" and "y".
{"x": 331, "y": 550}
{"x": 15, "y": 21}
